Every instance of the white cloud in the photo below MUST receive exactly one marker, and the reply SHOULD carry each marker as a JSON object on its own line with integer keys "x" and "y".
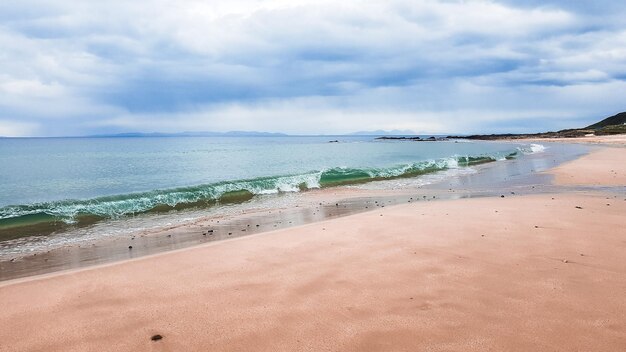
{"x": 18, "y": 129}
{"x": 305, "y": 66}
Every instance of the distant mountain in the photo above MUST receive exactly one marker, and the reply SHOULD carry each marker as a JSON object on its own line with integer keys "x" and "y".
{"x": 618, "y": 119}
{"x": 384, "y": 133}
{"x": 192, "y": 134}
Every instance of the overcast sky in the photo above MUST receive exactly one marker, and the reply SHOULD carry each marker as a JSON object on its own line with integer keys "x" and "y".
{"x": 78, "y": 67}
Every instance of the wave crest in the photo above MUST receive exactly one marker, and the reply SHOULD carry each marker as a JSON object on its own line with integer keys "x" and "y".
{"x": 87, "y": 211}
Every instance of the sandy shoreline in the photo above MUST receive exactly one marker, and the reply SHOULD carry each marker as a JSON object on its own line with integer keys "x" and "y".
{"x": 604, "y": 167}
{"x": 519, "y": 273}
{"x": 618, "y": 140}
{"x": 110, "y": 241}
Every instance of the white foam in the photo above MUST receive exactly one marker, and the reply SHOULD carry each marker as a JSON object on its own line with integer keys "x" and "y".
{"x": 532, "y": 149}
{"x": 537, "y": 148}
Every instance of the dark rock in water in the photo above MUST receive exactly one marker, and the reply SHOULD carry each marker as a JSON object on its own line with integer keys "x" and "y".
{"x": 412, "y": 138}
{"x": 577, "y": 207}
{"x": 156, "y": 337}
{"x": 335, "y": 141}
{"x": 130, "y": 247}
{"x": 257, "y": 225}
{"x": 502, "y": 196}
{"x": 230, "y": 233}
{"x": 210, "y": 231}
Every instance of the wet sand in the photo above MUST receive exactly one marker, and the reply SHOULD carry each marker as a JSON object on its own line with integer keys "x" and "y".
{"x": 515, "y": 273}
{"x": 314, "y": 206}
{"x": 40, "y": 255}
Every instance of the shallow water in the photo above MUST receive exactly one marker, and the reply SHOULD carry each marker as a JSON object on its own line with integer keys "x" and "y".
{"x": 54, "y": 184}
{"x": 151, "y": 233}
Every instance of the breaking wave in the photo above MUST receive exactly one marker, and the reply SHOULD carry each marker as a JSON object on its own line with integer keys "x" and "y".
{"x": 50, "y": 216}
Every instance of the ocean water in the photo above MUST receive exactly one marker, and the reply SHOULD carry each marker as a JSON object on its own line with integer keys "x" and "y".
{"x": 48, "y": 183}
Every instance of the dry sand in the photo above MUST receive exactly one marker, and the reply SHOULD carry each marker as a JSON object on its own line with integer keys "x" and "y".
{"x": 616, "y": 140}
{"x": 603, "y": 167}
{"x": 520, "y": 273}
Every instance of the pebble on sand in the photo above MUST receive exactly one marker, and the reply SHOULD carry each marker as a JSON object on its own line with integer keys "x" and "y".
{"x": 156, "y": 337}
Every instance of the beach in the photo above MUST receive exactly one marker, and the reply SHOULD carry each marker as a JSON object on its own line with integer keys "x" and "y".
{"x": 511, "y": 272}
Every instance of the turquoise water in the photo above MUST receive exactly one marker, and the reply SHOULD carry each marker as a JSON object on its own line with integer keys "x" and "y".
{"x": 69, "y": 180}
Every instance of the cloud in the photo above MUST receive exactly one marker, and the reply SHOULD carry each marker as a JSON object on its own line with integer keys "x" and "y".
{"x": 10, "y": 128}
{"x": 303, "y": 66}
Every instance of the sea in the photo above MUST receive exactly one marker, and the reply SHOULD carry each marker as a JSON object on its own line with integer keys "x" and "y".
{"x": 55, "y": 185}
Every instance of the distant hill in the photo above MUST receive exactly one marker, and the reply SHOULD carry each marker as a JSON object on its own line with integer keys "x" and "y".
{"x": 192, "y": 134}
{"x": 611, "y": 125}
{"x": 384, "y": 133}
{"x": 618, "y": 119}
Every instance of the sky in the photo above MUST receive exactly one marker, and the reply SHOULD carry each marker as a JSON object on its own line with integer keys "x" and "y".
{"x": 79, "y": 67}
